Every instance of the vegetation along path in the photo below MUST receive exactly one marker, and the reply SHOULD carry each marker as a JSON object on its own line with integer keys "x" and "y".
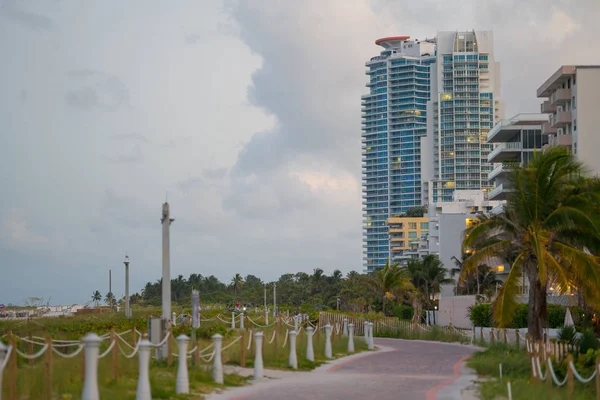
{"x": 401, "y": 370}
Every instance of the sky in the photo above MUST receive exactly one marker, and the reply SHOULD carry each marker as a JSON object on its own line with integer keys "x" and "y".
{"x": 244, "y": 114}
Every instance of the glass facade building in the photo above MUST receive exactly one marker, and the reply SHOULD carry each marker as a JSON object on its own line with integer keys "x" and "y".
{"x": 465, "y": 107}
{"x": 394, "y": 119}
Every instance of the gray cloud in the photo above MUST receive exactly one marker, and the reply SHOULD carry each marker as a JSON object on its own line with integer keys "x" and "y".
{"x": 97, "y": 90}
{"x": 11, "y": 10}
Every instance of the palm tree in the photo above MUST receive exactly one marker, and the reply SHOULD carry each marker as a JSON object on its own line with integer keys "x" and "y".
{"x": 97, "y": 297}
{"x": 237, "y": 282}
{"x": 389, "y": 282}
{"x": 427, "y": 275}
{"x": 110, "y": 300}
{"x": 549, "y": 228}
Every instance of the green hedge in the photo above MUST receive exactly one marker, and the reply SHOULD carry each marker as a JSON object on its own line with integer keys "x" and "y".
{"x": 480, "y": 315}
{"x": 404, "y": 312}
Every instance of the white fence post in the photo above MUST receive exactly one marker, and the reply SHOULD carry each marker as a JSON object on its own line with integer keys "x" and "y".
{"x": 345, "y": 329}
{"x": 293, "y": 361}
{"x": 258, "y": 359}
{"x": 351, "y": 338}
{"x": 366, "y": 331}
{"x": 266, "y": 316}
{"x": 90, "y": 383}
{"x": 242, "y": 315}
{"x": 143, "y": 385}
{"x": 328, "y": 352}
{"x": 310, "y": 352}
{"x": 217, "y": 364}
{"x": 296, "y": 323}
{"x": 4, "y": 356}
{"x": 370, "y": 342}
{"x": 232, "y": 320}
{"x": 174, "y": 318}
{"x": 182, "y": 382}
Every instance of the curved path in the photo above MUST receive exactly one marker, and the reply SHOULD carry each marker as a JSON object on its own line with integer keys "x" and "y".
{"x": 400, "y": 370}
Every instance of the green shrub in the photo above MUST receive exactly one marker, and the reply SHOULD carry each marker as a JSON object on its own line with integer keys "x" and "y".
{"x": 587, "y": 341}
{"x": 520, "y": 318}
{"x": 556, "y": 316}
{"x": 567, "y": 334}
{"x": 404, "y": 312}
{"x": 480, "y": 315}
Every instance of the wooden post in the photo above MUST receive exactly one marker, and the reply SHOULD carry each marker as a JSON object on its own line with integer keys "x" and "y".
{"x": 115, "y": 356}
{"x": 12, "y": 368}
{"x": 30, "y": 348}
{"x": 597, "y": 378}
{"x": 491, "y": 335}
{"x": 48, "y": 370}
{"x": 517, "y": 339}
{"x": 83, "y": 365}
{"x": 170, "y": 348}
{"x": 570, "y": 377}
{"x": 243, "y": 350}
{"x": 481, "y": 333}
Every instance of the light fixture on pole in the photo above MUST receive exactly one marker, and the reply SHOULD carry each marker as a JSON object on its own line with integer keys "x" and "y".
{"x": 127, "y": 307}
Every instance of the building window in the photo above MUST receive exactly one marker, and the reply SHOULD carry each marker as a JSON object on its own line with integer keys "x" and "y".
{"x": 412, "y": 235}
{"x": 574, "y": 124}
{"x": 573, "y": 103}
{"x": 412, "y": 225}
{"x": 424, "y": 225}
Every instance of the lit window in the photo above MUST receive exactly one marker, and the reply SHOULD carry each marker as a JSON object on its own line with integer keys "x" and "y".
{"x": 500, "y": 268}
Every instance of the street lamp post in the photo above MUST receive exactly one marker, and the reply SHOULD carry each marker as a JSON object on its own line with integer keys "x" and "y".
{"x": 127, "y": 307}
{"x": 338, "y": 304}
{"x": 274, "y": 300}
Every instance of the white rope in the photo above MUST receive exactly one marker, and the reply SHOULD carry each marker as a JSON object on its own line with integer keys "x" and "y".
{"x": 6, "y": 358}
{"x": 35, "y": 355}
{"x": 579, "y": 377}
{"x": 206, "y": 348}
{"x": 110, "y": 347}
{"x": 223, "y": 320}
{"x": 554, "y": 378}
{"x": 261, "y": 326}
{"x": 273, "y": 337}
{"x": 72, "y": 355}
{"x": 32, "y": 341}
{"x": 539, "y": 369}
{"x": 533, "y": 368}
{"x": 209, "y": 358}
{"x": 163, "y": 341}
{"x": 231, "y": 344}
{"x": 135, "y": 350}
{"x": 287, "y": 331}
{"x": 66, "y": 345}
{"x": 193, "y": 350}
{"x": 125, "y": 341}
{"x": 250, "y": 340}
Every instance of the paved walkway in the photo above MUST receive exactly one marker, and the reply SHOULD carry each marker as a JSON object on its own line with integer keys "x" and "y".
{"x": 401, "y": 370}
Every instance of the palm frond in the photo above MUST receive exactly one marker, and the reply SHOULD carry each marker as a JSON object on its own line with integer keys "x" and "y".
{"x": 504, "y": 308}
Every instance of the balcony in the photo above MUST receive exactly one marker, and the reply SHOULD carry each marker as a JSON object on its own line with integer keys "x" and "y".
{"x": 546, "y": 108}
{"x": 561, "y": 96}
{"x": 500, "y": 192}
{"x": 499, "y": 170}
{"x": 506, "y": 151}
{"x": 548, "y": 130}
{"x": 563, "y": 140}
{"x": 560, "y": 119}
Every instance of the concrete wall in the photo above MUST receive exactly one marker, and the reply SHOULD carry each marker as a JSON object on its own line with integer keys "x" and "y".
{"x": 454, "y": 309}
{"x": 588, "y": 119}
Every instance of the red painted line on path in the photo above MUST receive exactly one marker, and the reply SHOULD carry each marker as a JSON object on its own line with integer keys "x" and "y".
{"x": 432, "y": 393}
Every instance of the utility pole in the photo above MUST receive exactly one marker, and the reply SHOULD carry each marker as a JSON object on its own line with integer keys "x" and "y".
{"x": 265, "y": 298}
{"x": 127, "y": 307}
{"x": 166, "y": 221}
{"x": 110, "y": 281}
{"x": 274, "y": 300}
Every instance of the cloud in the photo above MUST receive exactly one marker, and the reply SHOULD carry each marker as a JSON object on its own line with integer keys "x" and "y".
{"x": 97, "y": 90}
{"x": 17, "y": 233}
{"x": 11, "y": 10}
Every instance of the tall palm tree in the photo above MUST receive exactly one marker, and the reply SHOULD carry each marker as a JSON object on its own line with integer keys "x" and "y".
{"x": 97, "y": 297}
{"x": 549, "y": 228}
{"x": 237, "y": 282}
{"x": 389, "y": 282}
{"x": 427, "y": 275}
{"x": 110, "y": 300}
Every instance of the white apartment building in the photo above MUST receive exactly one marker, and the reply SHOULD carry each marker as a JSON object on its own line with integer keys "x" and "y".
{"x": 515, "y": 140}
{"x": 572, "y": 98}
{"x": 465, "y": 104}
{"x": 447, "y": 223}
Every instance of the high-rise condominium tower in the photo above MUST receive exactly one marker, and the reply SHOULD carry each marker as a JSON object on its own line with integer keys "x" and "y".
{"x": 394, "y": 120}
{"x": 465, "y": 105}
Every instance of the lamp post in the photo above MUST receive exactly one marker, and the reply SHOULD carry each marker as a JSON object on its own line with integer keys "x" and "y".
{"x": 127, "y": 307}
{"x": 338, "y": 304}
{"x": 274, "y": 300}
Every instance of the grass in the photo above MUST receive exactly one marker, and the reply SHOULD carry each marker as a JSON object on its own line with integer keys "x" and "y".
{"x": 434, "y": 333}
{"x": 516, "y": 368}
{"x": 67, "y": 374}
